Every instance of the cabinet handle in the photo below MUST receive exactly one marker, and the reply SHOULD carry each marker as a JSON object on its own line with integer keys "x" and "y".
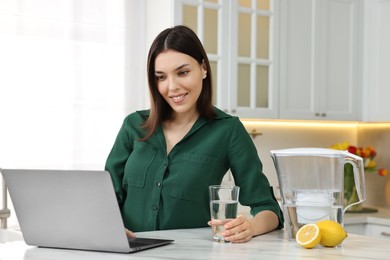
{"x": 386, "y": 234}
{"x": 320, "y": 114}
{"x": 254, "y": 133}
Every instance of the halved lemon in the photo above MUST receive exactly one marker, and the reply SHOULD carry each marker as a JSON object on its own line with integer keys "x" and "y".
{"x": 308, "y": 236}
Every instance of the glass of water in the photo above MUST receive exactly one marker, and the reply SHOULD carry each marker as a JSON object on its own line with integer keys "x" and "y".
{"x": 223, "y": 208}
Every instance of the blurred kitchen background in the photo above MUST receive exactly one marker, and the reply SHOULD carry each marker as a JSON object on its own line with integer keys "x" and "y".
{"x": 299, "y": 73}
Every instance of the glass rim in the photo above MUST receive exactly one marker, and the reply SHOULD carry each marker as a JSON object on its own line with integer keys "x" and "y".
{"x": 221, "y": 186}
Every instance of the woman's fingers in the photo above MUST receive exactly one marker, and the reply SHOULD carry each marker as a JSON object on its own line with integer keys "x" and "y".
{"x": 129, "y": 233}
{"x": 239, "y": 230}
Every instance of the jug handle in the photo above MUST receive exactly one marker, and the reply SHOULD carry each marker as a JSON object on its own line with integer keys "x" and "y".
{"x": 358, "y": 174}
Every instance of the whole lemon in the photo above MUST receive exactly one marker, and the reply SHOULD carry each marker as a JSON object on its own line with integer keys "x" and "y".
{"x": 332, "y": 233}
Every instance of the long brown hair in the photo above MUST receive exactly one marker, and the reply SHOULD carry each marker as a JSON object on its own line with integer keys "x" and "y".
{"x": 181, "y": 39}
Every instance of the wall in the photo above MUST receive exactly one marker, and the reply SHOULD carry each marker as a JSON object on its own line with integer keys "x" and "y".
{"x": 378, "y": 137}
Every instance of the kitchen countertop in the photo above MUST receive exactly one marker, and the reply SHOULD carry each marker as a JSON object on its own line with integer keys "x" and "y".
{"x": 197, "y": 244}
{"x": 382, "y": 217}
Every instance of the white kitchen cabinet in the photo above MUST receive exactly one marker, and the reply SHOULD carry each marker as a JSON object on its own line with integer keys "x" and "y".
{"x": 378, "y": 231}
{"x": 376, "y": 81}
{"x": 375, "y": 224}
{"x": 324, "y": 59}
{"x": 241, "y": 41}
{"x": 359, "y": 229}
{"x": 320, "y": 59}
{"x": 368, "y": 229}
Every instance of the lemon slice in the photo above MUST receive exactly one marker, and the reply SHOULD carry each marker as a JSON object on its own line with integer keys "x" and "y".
{"x": 308, "y": 236}
{"x": 332, "y": 233}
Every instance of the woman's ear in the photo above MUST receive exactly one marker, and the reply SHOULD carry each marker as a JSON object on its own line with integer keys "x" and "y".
{"x": 204, "y": 69}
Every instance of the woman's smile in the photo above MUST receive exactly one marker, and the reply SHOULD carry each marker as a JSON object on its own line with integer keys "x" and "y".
{"x": 178, "y": 98}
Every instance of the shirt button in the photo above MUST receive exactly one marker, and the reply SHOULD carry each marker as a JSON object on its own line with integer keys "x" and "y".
{"x": 154, "y": 207}
{"x": 158, "y": 184}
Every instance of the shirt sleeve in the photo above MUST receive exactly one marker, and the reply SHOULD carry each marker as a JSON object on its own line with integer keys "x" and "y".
{"x": 247, "y": 170}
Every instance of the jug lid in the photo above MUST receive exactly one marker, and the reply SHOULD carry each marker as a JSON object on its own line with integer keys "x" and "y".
{"x": 309, "y": 151}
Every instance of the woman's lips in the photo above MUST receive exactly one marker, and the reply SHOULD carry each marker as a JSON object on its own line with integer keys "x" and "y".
{"x": 178, "y": 98}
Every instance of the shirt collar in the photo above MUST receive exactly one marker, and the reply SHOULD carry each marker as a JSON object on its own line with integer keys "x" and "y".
{"x": 219, "y": 114}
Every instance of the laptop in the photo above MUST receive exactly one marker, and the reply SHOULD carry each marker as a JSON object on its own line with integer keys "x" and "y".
{"x": 71, "y": 209}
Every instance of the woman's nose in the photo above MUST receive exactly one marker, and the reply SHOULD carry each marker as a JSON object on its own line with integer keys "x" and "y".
{"x": 173, "y": 84}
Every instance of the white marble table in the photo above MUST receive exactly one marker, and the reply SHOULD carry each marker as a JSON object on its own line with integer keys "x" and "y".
{"x": 197, "y": 244}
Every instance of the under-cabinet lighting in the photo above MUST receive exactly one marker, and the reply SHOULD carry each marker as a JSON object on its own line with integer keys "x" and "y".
{"x": 303, "y": 123}
{"x": 256, "y": 123}
{"x": 253, "y": 126}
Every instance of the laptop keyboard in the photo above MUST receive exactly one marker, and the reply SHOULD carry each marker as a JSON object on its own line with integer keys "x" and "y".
{"x": 139, "y": 242}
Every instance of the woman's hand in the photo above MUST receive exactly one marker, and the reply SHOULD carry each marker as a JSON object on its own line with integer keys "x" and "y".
{"x": 242, "y": 229}
{"x": 129, "y": 233}
{"x": 238, "y": 230}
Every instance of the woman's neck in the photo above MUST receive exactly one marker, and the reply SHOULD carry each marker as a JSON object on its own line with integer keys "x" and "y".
{"x": 176, "y": 128}
{"x": 182, "y": 119}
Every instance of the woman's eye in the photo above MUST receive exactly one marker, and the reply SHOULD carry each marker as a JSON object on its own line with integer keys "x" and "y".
{"x": 160, "y": 78}
{"x": 183, "y": 73}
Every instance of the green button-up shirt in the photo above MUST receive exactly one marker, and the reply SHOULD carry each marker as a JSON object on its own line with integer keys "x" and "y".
{"x": 159, "y": 191}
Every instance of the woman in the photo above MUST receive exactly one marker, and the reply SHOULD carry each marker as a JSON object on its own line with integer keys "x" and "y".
{"x": 165, "y": 158}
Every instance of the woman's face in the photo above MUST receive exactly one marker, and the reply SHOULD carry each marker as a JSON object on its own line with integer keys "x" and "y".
{"x": 179, "y": 80}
